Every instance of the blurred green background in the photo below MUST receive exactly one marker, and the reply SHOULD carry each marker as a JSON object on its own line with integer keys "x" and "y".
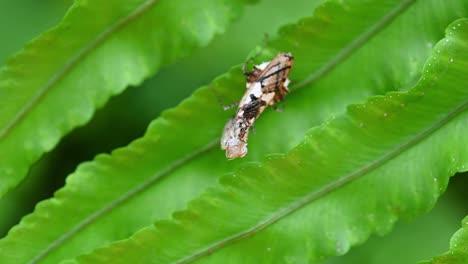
{"x": 125, "y": 118}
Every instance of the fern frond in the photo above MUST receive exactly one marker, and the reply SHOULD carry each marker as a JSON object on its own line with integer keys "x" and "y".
{"x": 58, "y": 80}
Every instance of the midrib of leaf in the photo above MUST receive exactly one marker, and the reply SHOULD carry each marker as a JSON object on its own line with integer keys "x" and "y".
{"x": 341, "y": 56}
{"x": 354, "y": 45}
{"x": 315, "y": 195}
{"x": 122, "y": 199}
{"x": 72, "y": 63}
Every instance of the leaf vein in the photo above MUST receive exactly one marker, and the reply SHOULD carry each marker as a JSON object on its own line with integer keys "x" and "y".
{"x": 315, "y": 195}
{"x": 122, "y": 199}
{"x": 71, "y": 64}
{"x": 354, "y": 45}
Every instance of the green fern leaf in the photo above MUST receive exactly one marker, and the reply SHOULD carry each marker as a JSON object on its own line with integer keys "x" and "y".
{"x": 458, "y": 252}
{"x": 116, "y": 195}
{"x": 348, "y": 178}
{"x": 99, "y": 48}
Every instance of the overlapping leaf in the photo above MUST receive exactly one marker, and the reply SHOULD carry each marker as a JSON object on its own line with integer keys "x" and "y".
{"x": 348, "y": 178}
{"x": 113, "y": 196}
{"x": 57, "y": 81}
{"x": 458, "y": 252}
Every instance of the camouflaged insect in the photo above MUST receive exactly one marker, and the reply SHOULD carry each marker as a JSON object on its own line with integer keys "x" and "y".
{"x": 266, "y": 85}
